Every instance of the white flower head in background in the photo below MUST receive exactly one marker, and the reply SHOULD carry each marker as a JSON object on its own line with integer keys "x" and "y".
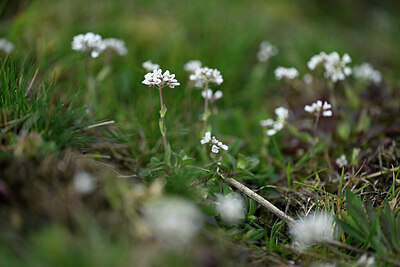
{"x": 367, "y": 73}
{"x": 6, "y": 45}
{"x": 286, "y": 73}
{"x": 336, "y": 68}
{"x": 115, "y": 44}
{"x": 192, "y": 65}
{"x": 150, "y": 66}
{"x": 231, "y": 208}
{"x": 212, "y": 96}
{"x": 213, "y": 142}
{"x": 308, "y": 78}
{"x": 366, "y": 261}
{"x": 159, "y": 79}
{"x": 206, "y": 75}
{"x": 313, "y": 228}
{"x": 341, "y": 161}
{"x": 173, "y": 221}
{"x": 88, "y": 42}
{"x": 266, "y": 51}
{"x": 273, "y": 126}
{"x": 84, "y": 182}
{"x": 318, "y": 108}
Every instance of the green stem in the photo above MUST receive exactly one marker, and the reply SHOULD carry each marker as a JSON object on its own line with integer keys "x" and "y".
{"x": 162, "y": 115}
{"x": 205, "y": 107}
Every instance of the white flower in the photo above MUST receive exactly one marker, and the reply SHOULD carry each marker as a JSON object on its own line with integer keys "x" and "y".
{"x": 88, "y": 42}
{"x": 308, "y": 78}
{"x": 214, "y": 143}
{"x": 335, "y": 67}
{"x": 316, "y": 60}
{"x": 156, "y": 78}
{"x": 212, "y": 96}
{"x": 115, "y": 44}
{"x": 174, "y": 221}
{"x": 192, "y": 65}
{"x": 287, "y": 73}
{"x": 206, "y": 75}
{"x": 341, "y": 161}
{"x": 275, "y": 126}
{"x": 266, "y": 51}
{"x": 150, "y": 66}
{"x": 84, "y": 182}
{"x": 6, "y": 45}
{"x": 206, "y": 139}
{"x": 367, "y": 73}
{"x": 231, "y": 208}
{"x": 317, "y": 107}
{"x": 312, "y": 228}
{"x": 364, "y": 260}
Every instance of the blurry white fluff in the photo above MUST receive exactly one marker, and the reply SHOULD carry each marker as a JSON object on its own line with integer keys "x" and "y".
{"x": 231, "y": 208}
{"x": 6, "y": 45}
{"x": 173, "y": 221}
{"x": 192, "y": 65}
{"x": 115, "y": 44}
{"x": 286, "y": 73}
{"x": 266, "y": 51}
{"x": 367, "y": 73}
{"x": 312, "y": 228}
{"x": 84, "y": 182}
{"x": 88, "y": 42}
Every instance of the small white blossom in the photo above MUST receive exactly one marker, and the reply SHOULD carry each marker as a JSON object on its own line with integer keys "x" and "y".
{"x": 275, "y": 126}
{"x": 88, "y": 42}
{"x": 206, "y": 139}
{"x": 157, "y": 78}
{"x": 341, "y": 161}
{"x": 206, "y": 75}
{"x": 174, "y": 221}
{"x": 367, "y": 73}
{"x": 212, "y": 96}
{"x": 6, "y": 45}
{"x": 308, "y": 78}
{"x": 316, "y": 60}
{"x": 336, "y": 68}
{"x": 150, "y": 66}
{"x": 231, "y": 208}
{"x": 312, "y": 228}
{"x": 214, "y": 143}
{"x": 317, "y": 107}
{"x": 115, "y": 44}
{"x": 286, "y": 73}
{"x": 192, "y": 65}
{"x": 84, "y": 182}
{"x": 266, "y": 51}
{"x": 366, "y": 261}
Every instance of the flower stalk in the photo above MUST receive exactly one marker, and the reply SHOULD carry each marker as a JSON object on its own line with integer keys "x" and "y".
{"x": 163, "y": 111}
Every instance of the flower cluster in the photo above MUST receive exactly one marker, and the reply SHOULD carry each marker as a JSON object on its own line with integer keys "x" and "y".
{"x": 212, "y": 96}
{"x": 6, "y": 45}
{"x": 192, "y": 65}
{"x": 317, "y": 107}
{"x": 88, "y": 42}
{"x": 334, "y": 65}
{"x": 94, "y": 44}
{"x": 266, "y": 51}
{"x": 367, "y": 73}
{"x": 206, "y": 75}
{"x": 149, "y": 66}
{"x": 159, "y": 79}
{"x": 286, "y": 73}
{"x": 115, "y": 44}
{"x": 216, "y": 145}
{"x": 341, "y": 161}
{"x": 312, "y": 228}
{"x": 275, "y": 126}
{"x": 231, "y": 208}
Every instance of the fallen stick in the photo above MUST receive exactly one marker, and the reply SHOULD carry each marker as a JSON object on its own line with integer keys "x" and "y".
{"x": 262, "y": 201}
